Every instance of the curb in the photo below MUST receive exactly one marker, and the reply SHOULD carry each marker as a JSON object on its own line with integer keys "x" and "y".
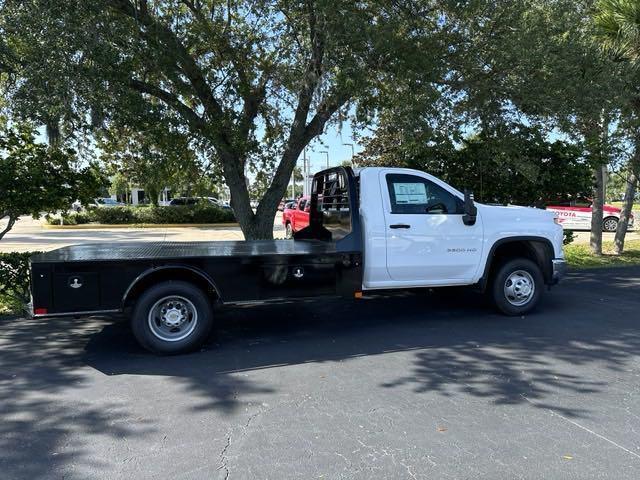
{"x": 104, "y": 226}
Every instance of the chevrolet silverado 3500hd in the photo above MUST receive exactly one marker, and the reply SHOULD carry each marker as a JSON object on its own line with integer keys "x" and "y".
{"x": 377, "y": 229}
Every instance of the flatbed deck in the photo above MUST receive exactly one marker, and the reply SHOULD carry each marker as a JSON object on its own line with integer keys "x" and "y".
{"x": 105, "y": 252}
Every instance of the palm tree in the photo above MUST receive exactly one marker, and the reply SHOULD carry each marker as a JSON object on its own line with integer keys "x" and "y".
{"x": 617, "y": 25}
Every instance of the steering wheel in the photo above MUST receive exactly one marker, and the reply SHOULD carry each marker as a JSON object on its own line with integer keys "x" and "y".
{"x": 436, "y": 206}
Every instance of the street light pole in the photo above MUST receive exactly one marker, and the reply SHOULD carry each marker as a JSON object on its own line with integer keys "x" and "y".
{"x": 327, "y": 154}
{"x": 305, "y": 173}
{"x": 353, "y": 153}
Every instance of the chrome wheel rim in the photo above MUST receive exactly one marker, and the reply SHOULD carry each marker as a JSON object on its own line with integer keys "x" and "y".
{"x": 173, "y": 318}
{"x": 519, "y": 288}
{"x": 289, "y": 230}
{"x": 610, "y": 225}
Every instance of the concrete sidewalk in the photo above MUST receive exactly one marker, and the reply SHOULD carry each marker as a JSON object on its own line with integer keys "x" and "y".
{"x": 582, "y": 238}
{"x": 28, "y": 235}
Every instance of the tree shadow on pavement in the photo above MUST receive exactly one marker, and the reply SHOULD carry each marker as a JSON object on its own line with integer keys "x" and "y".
{"x": 36, "y": 426}
{"x": 458, "y": 345}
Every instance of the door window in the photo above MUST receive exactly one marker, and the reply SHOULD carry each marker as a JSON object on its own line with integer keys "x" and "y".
{"x": 302, "y": 204}
{"x": 410, "y": 194}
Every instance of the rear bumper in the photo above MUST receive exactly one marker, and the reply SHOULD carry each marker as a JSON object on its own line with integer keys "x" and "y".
{"x": 559, "y": 270}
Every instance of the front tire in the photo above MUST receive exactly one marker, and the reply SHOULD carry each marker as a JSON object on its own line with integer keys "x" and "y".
{"x": 172, "y": 317}
{"x": 288, "y": 231}
{"x": 610, "y": 224}
{"x": 517, "y": 286}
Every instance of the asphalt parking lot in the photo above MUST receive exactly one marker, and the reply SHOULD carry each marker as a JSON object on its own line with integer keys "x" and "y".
{"x": 415, "y": 386}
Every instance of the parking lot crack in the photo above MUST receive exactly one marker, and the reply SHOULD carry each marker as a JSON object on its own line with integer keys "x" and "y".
{"x": 223, "y": 458}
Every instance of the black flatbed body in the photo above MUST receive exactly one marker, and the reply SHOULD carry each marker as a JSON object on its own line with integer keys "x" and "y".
{"x": 323, "y": 259}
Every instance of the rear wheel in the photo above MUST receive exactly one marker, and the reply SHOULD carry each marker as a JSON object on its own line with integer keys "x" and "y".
{"x": 610, "y": 224}
{"x": 517, "y": 286}
{"x": 172, "y": 317}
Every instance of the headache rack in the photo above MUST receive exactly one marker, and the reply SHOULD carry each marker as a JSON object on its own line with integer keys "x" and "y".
{"x": 334, "y": 213}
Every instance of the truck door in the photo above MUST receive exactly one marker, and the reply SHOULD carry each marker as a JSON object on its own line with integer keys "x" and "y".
{"x": 427, "y": 241}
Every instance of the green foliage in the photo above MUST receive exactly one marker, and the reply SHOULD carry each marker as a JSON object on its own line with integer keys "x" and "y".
{"x": 618, "y": 27}
{"x": 517, "y": 166}
{"x": 199, "y": 213}
{"x": 568, "y": 237}
{"x": 35, "y": 178}
{"x": 14, "y": 282}
{"x": 114, "y": 215}
{"x": 150, "y": 158}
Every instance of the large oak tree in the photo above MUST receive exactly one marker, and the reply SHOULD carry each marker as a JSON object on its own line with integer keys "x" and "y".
{"x": 250, "y": 81}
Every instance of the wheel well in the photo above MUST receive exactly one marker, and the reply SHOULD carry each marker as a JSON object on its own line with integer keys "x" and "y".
{"x": 538, "y": 251}
{"x": 164, "y": 274}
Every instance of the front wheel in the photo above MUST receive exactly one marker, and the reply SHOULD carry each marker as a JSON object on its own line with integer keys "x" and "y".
{"x": 288, "y": 231}
{"x": 517, "y": 286}
{"x": 172, "y": 318}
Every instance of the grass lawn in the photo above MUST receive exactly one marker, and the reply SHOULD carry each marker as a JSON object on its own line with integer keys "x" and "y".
{"x": 636, "y": 206}
{"x": 579, "y": 256}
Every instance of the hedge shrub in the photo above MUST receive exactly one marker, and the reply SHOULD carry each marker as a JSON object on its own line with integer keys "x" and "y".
{"x": 567, "y": 237}
{"x": 15, "y": 282}
{"x": 201, "y": 213}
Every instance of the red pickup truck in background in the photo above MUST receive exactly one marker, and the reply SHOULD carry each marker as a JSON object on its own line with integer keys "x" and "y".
{"x": 296, "y": 217}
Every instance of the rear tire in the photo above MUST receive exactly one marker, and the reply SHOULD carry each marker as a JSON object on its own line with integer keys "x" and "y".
{"x": 517, "y": 286}
{"x": 610, "y": 224}
{"x": 172, "y": 317}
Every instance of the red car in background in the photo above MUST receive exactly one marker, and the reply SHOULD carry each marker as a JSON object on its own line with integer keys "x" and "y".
{"x": 576, "y": 215}
{"x": 295, "y": 216}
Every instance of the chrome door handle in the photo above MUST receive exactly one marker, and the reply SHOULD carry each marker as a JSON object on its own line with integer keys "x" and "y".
{"x": 400, "y": 225}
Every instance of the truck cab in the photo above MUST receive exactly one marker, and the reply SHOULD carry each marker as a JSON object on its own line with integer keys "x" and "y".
{"x": 417, "y": 235}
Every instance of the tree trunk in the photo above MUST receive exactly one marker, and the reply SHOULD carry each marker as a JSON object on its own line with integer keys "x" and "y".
{"x": 627, "y": 207}
{"x": 259, "y": 225}
{"x": 11, "y": 221}
{"x": 596, "y": 211}
{"x": 154, "y": 193}
{"x": 53, "y": 132}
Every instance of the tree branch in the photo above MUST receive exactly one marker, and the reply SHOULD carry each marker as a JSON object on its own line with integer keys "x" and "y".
{"x": 187, "y": 64}
{"x": 171, "y": 100}
{"x": 330, "y": 105}
{"x": 312, "y": 75}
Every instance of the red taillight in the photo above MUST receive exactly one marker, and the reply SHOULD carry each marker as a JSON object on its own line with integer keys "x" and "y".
{"x": 40, "y": 311}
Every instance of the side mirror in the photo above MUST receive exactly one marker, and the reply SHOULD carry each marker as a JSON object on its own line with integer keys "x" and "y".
{"x": 470, "y": 210}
